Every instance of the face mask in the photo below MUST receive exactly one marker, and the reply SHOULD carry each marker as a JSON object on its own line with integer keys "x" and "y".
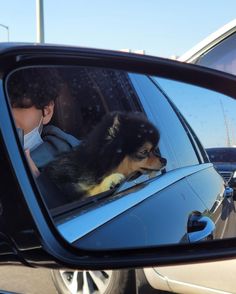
{"x": 33, "y": 138}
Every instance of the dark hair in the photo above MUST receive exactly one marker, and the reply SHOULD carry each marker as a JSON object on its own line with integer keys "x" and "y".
{"x": 36, "y": 86}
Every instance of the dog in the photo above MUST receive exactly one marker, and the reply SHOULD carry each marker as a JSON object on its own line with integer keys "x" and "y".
{"x": 121, "y": 147}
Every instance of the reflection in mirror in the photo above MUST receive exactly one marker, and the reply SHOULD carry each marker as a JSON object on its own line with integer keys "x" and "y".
{"x": 210, "y": 114}
{"x": 117, "y": 164}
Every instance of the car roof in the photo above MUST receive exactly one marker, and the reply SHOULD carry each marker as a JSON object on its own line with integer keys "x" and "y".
{"x": 209, "y": 42}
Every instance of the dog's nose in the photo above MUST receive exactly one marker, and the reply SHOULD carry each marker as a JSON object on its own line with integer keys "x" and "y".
{"x": 163, "y": 161}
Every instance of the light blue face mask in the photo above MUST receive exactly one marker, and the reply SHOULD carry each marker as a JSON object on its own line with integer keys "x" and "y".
{"x": 33, "y": 138}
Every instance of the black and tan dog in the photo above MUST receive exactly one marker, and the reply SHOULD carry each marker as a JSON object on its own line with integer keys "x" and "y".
{"x": 121, "y": 146}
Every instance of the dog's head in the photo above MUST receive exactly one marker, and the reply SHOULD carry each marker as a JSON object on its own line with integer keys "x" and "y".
{"x": 146, "y": 159}
{"x": 128, "y": 143}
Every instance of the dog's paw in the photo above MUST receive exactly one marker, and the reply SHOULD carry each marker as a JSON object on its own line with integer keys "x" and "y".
{"x": 112, "y": 181}
{"x": 108, "y": 183}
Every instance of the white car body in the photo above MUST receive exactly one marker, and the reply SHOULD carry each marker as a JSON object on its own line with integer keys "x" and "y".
{"x": 209, "y": 42}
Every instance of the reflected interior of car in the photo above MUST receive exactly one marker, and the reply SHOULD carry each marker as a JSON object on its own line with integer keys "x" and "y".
{"x": 114, "y": 155}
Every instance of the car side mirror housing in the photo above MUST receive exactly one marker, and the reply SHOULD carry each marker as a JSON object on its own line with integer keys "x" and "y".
{"x": 105, "y": 161}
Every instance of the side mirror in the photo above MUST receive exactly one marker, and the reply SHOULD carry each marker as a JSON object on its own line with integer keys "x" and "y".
{"x": 106, "y": 155}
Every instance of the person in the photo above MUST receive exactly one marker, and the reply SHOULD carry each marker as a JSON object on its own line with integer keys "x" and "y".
{"x": 32, "y": 93}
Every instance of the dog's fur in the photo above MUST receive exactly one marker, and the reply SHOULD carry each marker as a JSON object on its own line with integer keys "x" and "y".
{"x": 120, "y": 146}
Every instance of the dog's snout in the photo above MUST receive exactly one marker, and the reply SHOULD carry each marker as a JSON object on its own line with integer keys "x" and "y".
{"x": 163, "y": 161}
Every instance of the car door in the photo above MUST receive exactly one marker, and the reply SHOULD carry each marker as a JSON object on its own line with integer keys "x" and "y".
{"x": 207, "y": 184}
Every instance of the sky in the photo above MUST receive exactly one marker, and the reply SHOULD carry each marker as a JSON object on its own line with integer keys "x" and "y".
{"x": 160, "y": 27}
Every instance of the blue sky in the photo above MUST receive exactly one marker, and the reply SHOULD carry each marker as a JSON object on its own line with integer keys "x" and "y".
{"x": 162, "y": 28}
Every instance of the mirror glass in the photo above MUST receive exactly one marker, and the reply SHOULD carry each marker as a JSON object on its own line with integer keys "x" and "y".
{"x": 124, "y": 160}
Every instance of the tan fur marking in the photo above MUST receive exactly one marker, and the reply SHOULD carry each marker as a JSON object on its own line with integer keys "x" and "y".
{"x": 107, "y": 183}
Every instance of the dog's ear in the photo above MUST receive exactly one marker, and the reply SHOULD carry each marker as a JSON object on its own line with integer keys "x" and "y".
{"x": 114, "y": 129}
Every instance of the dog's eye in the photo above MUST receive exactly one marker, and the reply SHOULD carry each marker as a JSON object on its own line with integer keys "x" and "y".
{"x": 142, "y": 154}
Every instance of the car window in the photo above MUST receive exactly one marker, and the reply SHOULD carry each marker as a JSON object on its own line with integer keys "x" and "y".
{"x": 85, "y": 131}
{"x": 88, "y": 94}
{"x": 222, "y": 56}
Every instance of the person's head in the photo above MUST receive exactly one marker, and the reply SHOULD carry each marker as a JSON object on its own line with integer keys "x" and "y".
{"x": 32, "y": 93}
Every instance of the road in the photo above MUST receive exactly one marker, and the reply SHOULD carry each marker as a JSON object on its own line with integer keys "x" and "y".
{"x": 24, "y": 280}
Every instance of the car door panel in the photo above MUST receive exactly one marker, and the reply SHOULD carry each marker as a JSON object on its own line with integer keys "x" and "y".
{"x": 160, "y": 219}
{"x": 222, "y": 212}
{"x": 220, "y": 209}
